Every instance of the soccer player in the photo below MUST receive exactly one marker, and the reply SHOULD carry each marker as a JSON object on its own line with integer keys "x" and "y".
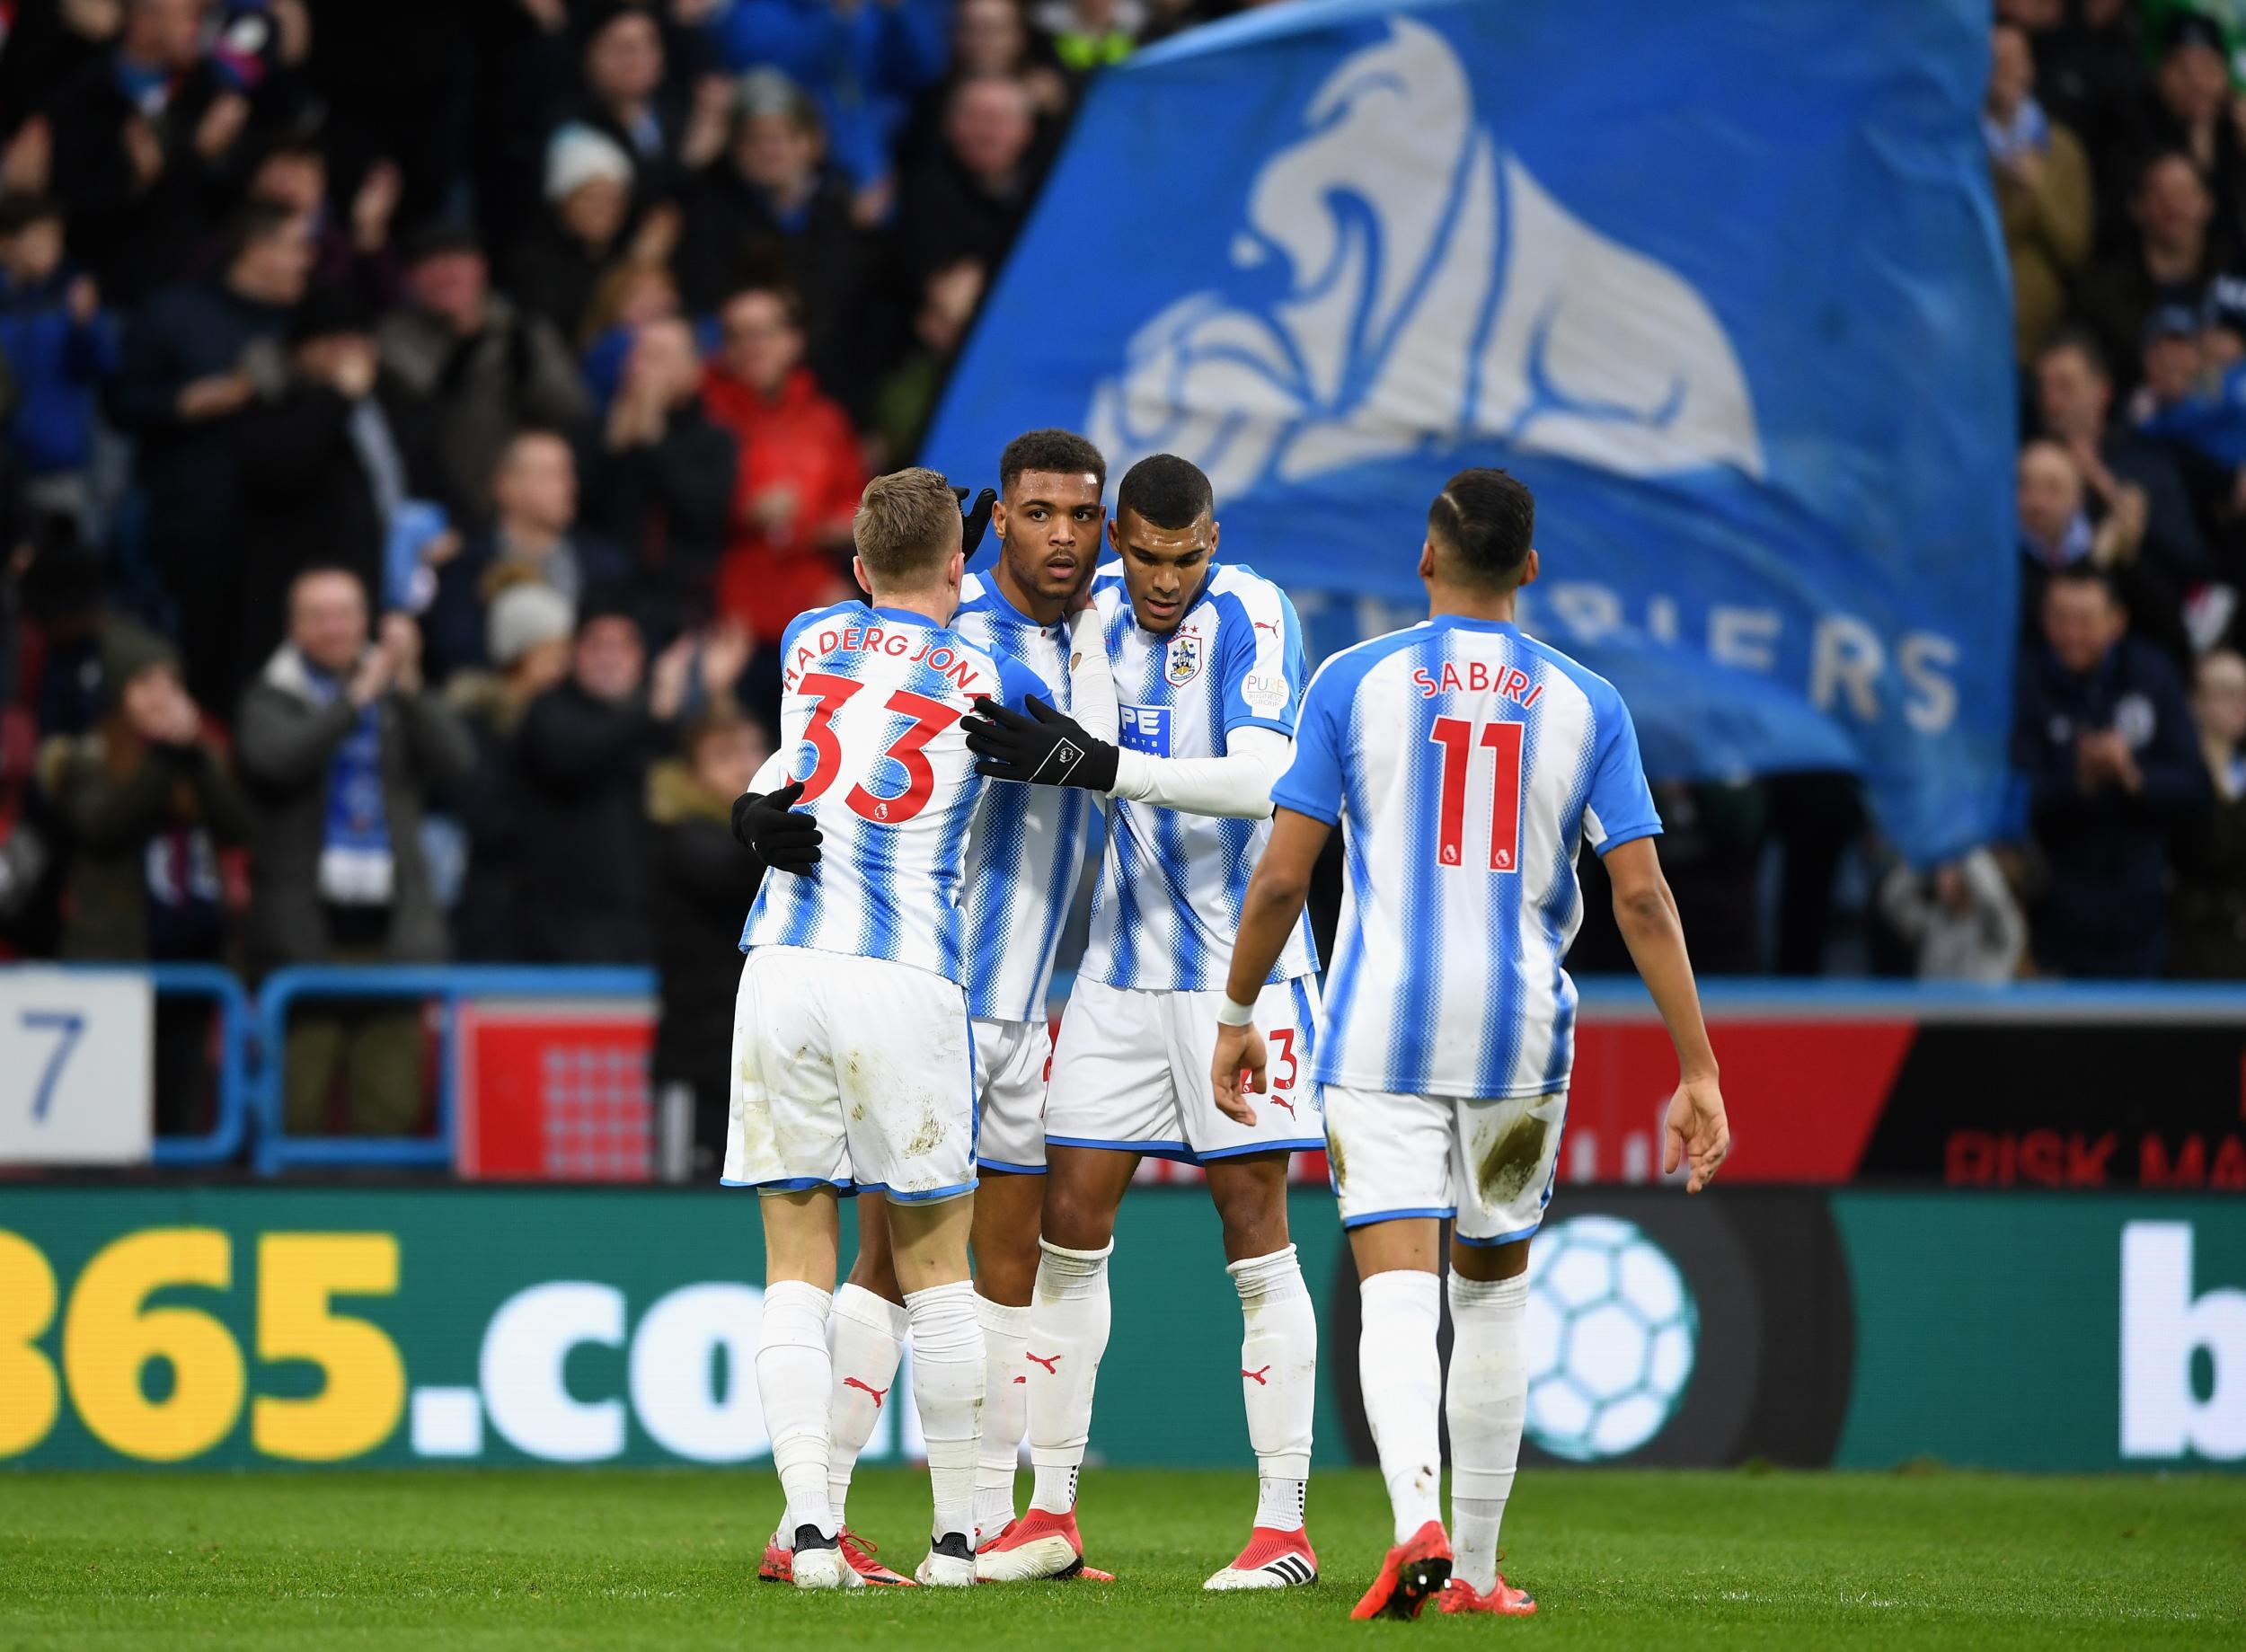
{"x": 852, "y": 1058}
{"x": 1207, "y": 664}
{"x": 1465, "y": 764}
{"x": 1023, "y": 860}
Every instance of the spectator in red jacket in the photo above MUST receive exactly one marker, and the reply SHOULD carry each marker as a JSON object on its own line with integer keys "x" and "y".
{"x": 800, "y": 471}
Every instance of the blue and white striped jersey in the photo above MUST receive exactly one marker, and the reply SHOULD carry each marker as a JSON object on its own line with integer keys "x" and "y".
{"x": 1027, "y": 850}
{"x": 871, "y": 705}
{"x": 1167, "y": 908}
{"x": 1464, "y": 763}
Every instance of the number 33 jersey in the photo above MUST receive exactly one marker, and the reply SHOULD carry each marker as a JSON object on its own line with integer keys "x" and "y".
{"x": 1465, "y": 764}
{"x": 868, "y": 722}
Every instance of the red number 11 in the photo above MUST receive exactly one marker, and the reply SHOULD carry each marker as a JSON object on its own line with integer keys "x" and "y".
{"x": 1456, "y": 736}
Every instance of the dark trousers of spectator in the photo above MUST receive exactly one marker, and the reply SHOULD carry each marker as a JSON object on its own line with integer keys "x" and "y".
{"x": 378, "y": 1053}
{"x": 376, "y": 1050}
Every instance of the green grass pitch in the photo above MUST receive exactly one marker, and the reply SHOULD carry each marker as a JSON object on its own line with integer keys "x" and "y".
{"x": 665, "y": 1559}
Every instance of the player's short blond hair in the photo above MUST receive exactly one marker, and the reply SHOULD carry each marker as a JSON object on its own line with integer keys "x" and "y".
{"x": 907, "y": 523}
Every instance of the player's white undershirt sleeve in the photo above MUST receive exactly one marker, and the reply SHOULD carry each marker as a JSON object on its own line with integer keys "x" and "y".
{"x": 774, "y": 774}
{"x": 1092, "y": 698}
{"x": 1235, "y": 786}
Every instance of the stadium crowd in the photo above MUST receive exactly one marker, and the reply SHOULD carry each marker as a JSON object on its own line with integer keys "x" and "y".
{"x": 421, "y": 419}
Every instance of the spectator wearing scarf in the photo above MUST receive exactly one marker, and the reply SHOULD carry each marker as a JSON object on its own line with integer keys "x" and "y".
{"x": 340, "y": 748}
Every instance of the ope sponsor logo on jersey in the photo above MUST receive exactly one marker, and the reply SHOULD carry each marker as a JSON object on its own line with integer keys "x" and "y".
{"x": 1145, "y": 728}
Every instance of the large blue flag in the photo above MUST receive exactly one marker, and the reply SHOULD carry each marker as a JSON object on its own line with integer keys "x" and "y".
{"x": 1722, "y": 282}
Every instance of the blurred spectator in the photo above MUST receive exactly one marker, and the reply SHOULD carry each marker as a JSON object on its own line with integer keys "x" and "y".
{"x": 60, "y": 347}
{"x": 145, "y": 801}
{"x": 703, "y": 887}
{"x": 1085, "y": 35}
{"x": 992, "y": 37}
{"x": 2057, "y": 531}
{"x": 862, "y": 62}
{"x": 907, "y": 399}
{"x": 631, "y": 293}
{"x": 2186, "y": 111}
{"x": 339, "y": 745}
{"x": 770, "y": 208}
{"x": 585, "y": 747}
{"x": 1815, "y": 817}
{"x": 484, "y": 369}
{"x": 2105, "y": 741}
{"x": 1961, "y": 920}
{"x": 187, "y": 374}
{"x": 2174, "y": 257}
{"x": 967, "y": 199}
{"x": 588, "y": 199}
{"x": 666, "y": 479}
{"x": 2074, "y": 406}
{"x": 145, "y": 145}
{"x": 2210, "y": 852}
{"x": 534, "y": 530}
{"x": 322, "y": 470}
{"x": 293, "y": 175}
{"x": 626, "y": 99}
{"x": 2042, "y": 190}
{"x": 2089, "y": 69}
{"x": 800, "y": 471}
{"x": 527, "y": 632}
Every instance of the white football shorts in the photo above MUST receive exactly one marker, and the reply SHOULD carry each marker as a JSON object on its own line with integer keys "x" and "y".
{"x": 1130, "y": 1069}
{"x": 1488, "y": 1164}
{"x": 1012, "y": 1061}
{"x": 849, "y": 1072}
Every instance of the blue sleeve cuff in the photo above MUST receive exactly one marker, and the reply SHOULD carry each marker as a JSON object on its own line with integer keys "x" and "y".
{"x": 1316, "y": 810}
{"x": 1628, "y": 835}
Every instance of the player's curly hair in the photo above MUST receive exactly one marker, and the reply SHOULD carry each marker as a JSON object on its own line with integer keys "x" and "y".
{"x": 1486, "y": 520}
{"x": 907, "y": 523}
{"x": 1166, "y": 491}
{"x": 1062, "y": 453}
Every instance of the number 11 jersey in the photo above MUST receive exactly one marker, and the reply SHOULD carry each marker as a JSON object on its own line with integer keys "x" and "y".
{"x": 1465, "y": 764}
{"x": 869, "y": 718}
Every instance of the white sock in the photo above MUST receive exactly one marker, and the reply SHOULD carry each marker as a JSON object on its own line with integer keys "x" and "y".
{"x": 1402, "y": 1375}
{"x": 1487, "y": 1403}
{"x": 1005, "y": 1413}
{"x": 794, "y": 1382}
{"x": 1279, "y": 1379}
{"x": 865, "y": 1338}
{"x": 948, "y": 1358}
{"x": 1068, "y": 1333}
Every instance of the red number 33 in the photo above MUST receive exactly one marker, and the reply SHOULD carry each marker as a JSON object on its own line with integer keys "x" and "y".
{"x": 930, "y": 717}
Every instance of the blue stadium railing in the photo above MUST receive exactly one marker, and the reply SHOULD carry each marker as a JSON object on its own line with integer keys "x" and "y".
{"x": 253, "y": 1033}
{"x": 445, "y": 987}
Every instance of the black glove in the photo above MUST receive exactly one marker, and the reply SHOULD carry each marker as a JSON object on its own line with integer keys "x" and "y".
{"x": 1048, "y": 748}
{"x": 775, "y": 834}
{"x": 973, "y": 521}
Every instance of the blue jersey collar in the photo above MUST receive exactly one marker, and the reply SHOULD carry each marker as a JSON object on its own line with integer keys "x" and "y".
{"x": 997, "y": 593}
{"x": 1461, "y": 622}
{"x": 904, "y": 616}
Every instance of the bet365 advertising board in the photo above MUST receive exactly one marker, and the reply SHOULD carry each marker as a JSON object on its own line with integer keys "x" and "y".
{"x": 239, "y": 1327}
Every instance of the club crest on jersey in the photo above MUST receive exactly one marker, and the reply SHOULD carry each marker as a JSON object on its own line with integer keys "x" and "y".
{"x": 1182, "y": 662}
